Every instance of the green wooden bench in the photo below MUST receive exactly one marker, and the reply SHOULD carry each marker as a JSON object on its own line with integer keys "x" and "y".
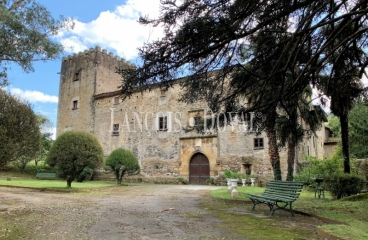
{"x": 44, "y": 175}
{"x": 278, "y": 195}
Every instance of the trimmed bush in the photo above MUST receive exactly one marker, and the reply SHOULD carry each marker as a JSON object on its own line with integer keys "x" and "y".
{"x": 122, "y": 161}
{"x": 344, "y": 185}
{"x": 72, "y": 152}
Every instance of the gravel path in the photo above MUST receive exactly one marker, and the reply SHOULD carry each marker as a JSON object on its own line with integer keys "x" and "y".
{"x": 125, "y": 212}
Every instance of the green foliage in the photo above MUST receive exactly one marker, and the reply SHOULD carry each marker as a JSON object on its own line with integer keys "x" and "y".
{"x": 358, "y": 130}
{"x": 122, "y": 161}
{"x": 19, "y": 130}
{"x": 316, "y": 168}
{"x": 243, "y": 176}
{"x": 360, "y": 167}
{"x": 227, "y": 173}
{"x": 234, "y": 175}
{"x": 45, "y": 139}
{"x": 343, "y": 185}
{"x": 203, "y": 36}
{"x": 211, "y": 181}
{"x": 72, "y": 152}
{"x": 334, "y": 125}
{"x": 21, "y": 162}
{"x": 26, "y": 34}
{"x": 180, "y": 179}
{"x": 85, "y": 174}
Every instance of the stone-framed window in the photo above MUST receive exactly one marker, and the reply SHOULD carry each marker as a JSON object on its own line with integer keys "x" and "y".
{"x": 116, "y": 100}
{"x": 75, "y": 105}
{"x": 258, "y": 143}
{"x": 77, "y": 76}
{"x": 163, "y": 92}
{"x": 195, "y": 117}
{"x": 115, "y": 129}
{"x": 162, "y": 123}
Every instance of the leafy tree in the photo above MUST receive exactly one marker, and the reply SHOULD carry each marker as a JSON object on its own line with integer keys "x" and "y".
{"x": 334, "y": 125}
{"x": 45, "y": 139}
{"x": 358, "y": 130}
{"x": 19, "y": 130}
{"x": 26, "y": 28}
{"x": 203, "y": 41}
{"x": 72, "y": 151}
{"x": 122, "y": 161}
{"x": 291, "y": 131}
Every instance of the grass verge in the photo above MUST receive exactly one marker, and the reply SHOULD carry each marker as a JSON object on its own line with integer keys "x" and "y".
{"x": 55, "y": 184}
{"x": 351, "y": 211}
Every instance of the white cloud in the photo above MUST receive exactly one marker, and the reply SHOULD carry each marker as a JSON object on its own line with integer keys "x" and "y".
{"x": 365, "y": 79}
{"x": 116, "y": 30}
{"x": 34, "y": 96}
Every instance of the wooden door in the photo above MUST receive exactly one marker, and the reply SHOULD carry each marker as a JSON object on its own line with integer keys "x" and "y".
{"x": 199, "y": 170}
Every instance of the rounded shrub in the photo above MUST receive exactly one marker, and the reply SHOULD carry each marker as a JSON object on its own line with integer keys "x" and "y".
{"x": 122, "y": 161}
{"x": 72, "y": 152}
{"x": 344, "y": 185}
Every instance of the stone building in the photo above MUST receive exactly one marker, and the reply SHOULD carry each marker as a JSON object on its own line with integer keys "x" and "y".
{"x": 151, "y": 126}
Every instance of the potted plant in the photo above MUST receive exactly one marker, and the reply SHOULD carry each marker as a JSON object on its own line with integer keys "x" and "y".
{"x": 252, "y": 179}
{"x": 243, "y": 178}
{"x": 234, "y": 184}
{"x": 210, "y": 181}
{"x": 234, "y": 179}
{"x": 227, "y": 173}
{"x": 181, "y": 180}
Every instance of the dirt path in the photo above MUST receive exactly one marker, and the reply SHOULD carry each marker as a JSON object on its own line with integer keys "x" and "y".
{"x": 134, "y": 212}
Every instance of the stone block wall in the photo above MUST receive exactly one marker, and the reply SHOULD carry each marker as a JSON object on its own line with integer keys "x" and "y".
{"x": 163, "y": 154}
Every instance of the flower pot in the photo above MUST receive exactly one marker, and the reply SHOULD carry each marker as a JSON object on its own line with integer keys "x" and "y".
{"x": 234, "y": 185}
{"x": 228, "y": 185}
{"x": 252, "y": 180}
{"x": 244, "y": 180}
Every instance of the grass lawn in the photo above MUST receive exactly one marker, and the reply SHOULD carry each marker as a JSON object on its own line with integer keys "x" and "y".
{"x": 351, "y": 211}
{"x": 54, "y": 184}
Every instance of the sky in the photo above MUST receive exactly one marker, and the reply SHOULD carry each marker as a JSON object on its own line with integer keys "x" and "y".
{"x": 111, "y": 24}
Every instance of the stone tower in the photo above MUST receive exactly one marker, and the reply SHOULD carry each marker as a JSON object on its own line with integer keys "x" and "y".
{"x": 83, "y": 76}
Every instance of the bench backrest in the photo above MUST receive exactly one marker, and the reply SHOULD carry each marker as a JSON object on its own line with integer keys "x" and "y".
{"x": 284, "y": 189}
{"x": 46, "y": 175}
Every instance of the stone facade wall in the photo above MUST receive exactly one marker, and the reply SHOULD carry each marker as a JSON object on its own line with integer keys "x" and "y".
{"x": 82, "y": 76}
{"x": 163, "y": 154}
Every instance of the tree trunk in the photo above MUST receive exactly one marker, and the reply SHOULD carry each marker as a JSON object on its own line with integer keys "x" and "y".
{"x": 290, "y": 159}
{"x": 344, "y": 123}
{"x": 273, "y": 151}
{"x": 117, "y": 173}
{"x": 69, "y": 182}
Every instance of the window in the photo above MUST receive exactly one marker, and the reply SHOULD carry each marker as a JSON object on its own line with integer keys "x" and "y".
{"x": 76, "y": 76}
{"x": 115, "y": 129}
{"x": 162, "y": 123}
{"x": 258, "y": 143}
{"x": 116, "y": 100}
{"x": 75, "y": 104}
{"x": 163, "y": 93}
{"x": 197, "y": 120}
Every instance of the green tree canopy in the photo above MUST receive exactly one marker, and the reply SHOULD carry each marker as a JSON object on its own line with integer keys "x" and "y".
{"x": 358, "y": 131}
{"x": 26, "y": 30}
{"x": 72, "y": 151}
{"x": 19, "y": 129}
{"x": 122, "y": 161}
{"x": 45, "y": 140}
{"x": 204, "y": 39}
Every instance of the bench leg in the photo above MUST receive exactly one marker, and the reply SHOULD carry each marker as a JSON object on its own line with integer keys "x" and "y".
{"x": 285, "y": 207}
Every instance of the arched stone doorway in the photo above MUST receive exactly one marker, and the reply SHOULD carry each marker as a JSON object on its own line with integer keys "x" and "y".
{"x": 199, "y": 169}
